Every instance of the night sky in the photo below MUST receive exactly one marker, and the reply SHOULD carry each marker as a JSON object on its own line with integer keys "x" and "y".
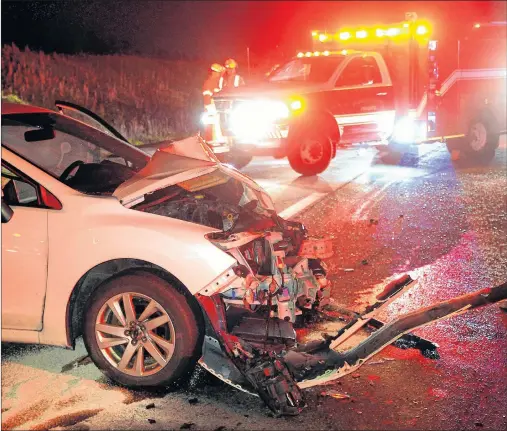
{"x": 208, "y": 29}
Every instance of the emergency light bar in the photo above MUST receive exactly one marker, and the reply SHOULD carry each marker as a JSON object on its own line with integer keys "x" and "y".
{"x": 325, "y": 53}
{"x": 403, "y": 30}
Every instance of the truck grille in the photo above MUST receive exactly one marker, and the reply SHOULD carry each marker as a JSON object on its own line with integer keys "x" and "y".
{"x": 223, "y": 105}
{"x": 224, "y": 108}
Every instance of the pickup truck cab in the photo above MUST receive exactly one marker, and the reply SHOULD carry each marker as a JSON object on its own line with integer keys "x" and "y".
{"x": 305, "y": 109}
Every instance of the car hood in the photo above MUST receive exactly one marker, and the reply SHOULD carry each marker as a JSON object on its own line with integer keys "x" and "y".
{"x": 177, "y": 162}
{"x": 269, "y": 89}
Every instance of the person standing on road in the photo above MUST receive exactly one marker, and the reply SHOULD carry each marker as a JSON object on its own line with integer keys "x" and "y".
{"x": 232, "y": 77}
{"x": 213, "y": 84}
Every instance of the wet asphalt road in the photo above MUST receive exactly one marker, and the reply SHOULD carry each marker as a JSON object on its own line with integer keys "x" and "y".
{"x": 444, "y": 224}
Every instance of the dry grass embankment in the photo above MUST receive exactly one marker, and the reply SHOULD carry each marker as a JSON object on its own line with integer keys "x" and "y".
{"x": 146, "y": 99}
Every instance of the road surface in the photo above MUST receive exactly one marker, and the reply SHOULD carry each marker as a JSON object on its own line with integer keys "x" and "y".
{"x": 445, "y": 225}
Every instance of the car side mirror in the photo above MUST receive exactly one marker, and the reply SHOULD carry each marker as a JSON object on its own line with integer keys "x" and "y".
{"x": 7, "y": 212}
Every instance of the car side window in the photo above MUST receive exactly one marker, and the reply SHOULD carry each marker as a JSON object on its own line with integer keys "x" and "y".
{"x": 19, "y": 190}
{"x": 16, "y": 191}
{"x": 360, "y": 71}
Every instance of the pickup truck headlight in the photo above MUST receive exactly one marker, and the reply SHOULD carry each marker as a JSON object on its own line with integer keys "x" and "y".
{"x": 253, "y": 119}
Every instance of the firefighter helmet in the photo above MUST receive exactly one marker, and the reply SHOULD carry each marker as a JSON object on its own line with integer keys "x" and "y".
{"x": 231, "y": 64}
{"x": 215, "y": 67}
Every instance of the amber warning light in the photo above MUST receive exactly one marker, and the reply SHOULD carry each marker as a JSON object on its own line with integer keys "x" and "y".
{"x": 414, "y": 28}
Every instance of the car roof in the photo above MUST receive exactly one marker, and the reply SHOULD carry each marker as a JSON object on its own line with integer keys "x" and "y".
{"x": 18, "y": 108}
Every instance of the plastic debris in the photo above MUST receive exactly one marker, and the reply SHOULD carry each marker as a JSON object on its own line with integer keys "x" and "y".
{"x": 348, "y": 269}
{"x": 193, "y": 401}
{"x": 364, "y": 262}
{"x": 356, "y": 376}
{"x": 150, "y": 406}
{"x": 334, "y": 394}
{"x": 152, "y": 421}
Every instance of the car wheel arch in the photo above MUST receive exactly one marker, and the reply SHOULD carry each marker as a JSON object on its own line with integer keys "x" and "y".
{"x": 95, "y": 277}
{"x": 324, "y": 119}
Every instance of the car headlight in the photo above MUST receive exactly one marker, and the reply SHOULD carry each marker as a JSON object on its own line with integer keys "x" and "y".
{"x": 252, "y": 119}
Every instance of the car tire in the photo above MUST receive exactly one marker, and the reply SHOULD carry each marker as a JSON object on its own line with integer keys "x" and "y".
{"x": 238, "y": 159}
{"x": 310, "y": 153}
{"x": 481, "y": 141}
{"x": 177, "y": 341}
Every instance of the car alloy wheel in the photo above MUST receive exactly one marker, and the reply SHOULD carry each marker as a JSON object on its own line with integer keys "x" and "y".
{"x": 135, "y": 334}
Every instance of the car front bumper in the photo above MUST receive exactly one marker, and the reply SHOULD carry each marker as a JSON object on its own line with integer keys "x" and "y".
{"x": 272, "y": 144}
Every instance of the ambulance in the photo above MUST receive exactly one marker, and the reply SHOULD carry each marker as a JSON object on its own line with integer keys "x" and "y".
{"x": 394, "y": 86}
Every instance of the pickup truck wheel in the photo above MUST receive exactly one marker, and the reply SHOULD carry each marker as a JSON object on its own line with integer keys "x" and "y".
{"x": 310, "y": 153}
{"x": 140, "y": 331}
{"x": 238, "y": 159}
{"x": 480, "y": 142}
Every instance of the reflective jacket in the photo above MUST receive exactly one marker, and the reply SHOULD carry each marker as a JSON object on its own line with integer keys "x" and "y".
{"x": 212, "y": 85}
{"x": 232, "y": 81}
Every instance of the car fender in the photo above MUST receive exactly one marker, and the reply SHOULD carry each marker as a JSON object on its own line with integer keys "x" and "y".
{"x": 91, "y": 230}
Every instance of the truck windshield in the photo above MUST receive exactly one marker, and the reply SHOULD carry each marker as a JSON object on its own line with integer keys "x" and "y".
{"x": 313, "y": 70}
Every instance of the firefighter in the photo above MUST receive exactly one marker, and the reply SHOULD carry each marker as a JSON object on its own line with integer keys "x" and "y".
{"x": 213, "y": 84}
{"x": 232, "y": 77}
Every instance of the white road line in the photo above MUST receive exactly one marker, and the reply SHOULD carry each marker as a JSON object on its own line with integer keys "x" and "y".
{"x": 374, "y": 197}
{"x": 301, "y": 205}
{"x": 314, "y": 197}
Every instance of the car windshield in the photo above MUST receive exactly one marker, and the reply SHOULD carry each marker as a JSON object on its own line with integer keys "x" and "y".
{"x": 313, "y": 70}
{"x": 55, "y": 143}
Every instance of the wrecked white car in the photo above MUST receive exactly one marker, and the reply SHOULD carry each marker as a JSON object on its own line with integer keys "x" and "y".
{"x": 165, "y": 261}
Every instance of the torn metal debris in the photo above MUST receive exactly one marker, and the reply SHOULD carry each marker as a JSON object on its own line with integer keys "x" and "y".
{"x": 279, "y": 282}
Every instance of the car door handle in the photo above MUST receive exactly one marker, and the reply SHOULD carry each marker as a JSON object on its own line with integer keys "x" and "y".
{"x": 381, "y": 94}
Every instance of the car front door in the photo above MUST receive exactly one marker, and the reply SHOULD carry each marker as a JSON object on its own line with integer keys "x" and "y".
{"x": 24, "y": 253}
{"x": 362, "y": 101}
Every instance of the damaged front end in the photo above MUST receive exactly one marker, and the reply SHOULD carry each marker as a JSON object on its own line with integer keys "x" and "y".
{"x": 279, "y": 283}
{"x": 256, "y": 352}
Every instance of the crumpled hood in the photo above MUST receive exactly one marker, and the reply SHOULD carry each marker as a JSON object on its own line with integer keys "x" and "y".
{"x": 177, "y": 162}
{"x": 269, "y": 90}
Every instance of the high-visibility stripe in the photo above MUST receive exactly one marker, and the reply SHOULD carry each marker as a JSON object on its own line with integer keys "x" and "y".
{"x": 221, "y": 83}
{"x": 236, "y": 80}
{"x": 358, "y": 119}
{"x": 207, "y": 93}
{"x": 469, "y": 75}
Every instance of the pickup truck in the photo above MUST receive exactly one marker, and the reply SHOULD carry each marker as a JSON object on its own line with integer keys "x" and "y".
{"x": 306, "y": 109}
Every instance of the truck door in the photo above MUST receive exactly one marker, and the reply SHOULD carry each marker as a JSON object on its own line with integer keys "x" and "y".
{"x": 362, "y": 100}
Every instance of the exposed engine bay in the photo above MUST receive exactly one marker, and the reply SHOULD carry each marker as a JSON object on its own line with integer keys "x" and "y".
{"x": 280, "y": 283}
